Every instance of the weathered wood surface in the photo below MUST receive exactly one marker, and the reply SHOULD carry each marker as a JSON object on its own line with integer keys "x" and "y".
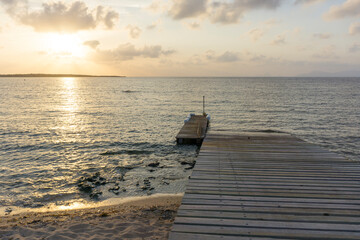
{"x": 269, "y": 186}
{"x": 193, "y": 131}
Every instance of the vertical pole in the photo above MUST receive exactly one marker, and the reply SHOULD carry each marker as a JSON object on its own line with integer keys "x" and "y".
{"x": 204, "y": 106}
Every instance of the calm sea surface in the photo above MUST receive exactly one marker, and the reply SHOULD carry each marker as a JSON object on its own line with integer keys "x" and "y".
{"x": 66, "y": 140}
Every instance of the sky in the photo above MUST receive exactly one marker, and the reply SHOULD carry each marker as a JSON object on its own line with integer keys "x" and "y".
{"x": 181, "y": 37}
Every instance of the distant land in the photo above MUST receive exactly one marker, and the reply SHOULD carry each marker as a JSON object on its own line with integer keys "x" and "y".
{"x": 354, "y": 73}
{"x": 53, "y": 75}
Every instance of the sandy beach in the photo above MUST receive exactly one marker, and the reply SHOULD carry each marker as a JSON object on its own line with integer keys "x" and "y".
{"x": 143, "y": 218}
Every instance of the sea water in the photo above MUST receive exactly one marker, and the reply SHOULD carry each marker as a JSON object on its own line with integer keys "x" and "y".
{"x": 88, "y": 140}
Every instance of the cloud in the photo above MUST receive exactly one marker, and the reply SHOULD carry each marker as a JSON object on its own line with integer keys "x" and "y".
{"x": 255, "y": 34}
{"x": 354, "y": 28}
{"x": 354, "y": 48}
{"x": 307, "y": 2}
{"x": 227, "y": 56}
{"x": 154, "y": 25}
{"x": 134, "y": 31}
{"x": 13, "y": 7}
{"x": 155, "y": 6}
{"x": 181, "y": 9}
{"x": 327, "y": 52}
{"x": 279, "y": 40}
{"x": 194, "y": 25}
{"x": 272, "y": 21}
{"x": 93, "y": 43}
{"x": 253, "y": 57}
{"x": 350, "y": 8}
{"x": 322, "y": 35}
{"x": 128, "y": 51}
{"x": 228, "y": 12}
{"x": 60, "y": 16}
{"x": 231, "y": 12}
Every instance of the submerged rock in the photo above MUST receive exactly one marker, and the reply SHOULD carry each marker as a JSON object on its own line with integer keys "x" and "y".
{"x": 192, "y": 164}
{"x": 156, "y": 164}
{"x": 90, "y": 183}
{"x": 95, "y": 195}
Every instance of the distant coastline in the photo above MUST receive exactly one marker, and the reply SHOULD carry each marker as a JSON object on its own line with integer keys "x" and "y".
{"x": 54, "y": 75}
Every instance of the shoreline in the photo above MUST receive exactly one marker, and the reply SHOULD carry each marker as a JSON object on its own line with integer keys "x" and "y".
{"x": 148, "y": 217}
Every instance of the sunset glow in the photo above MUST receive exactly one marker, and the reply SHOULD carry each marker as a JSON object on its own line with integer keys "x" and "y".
{"x": 181, "y": 37}
{"x": 65, "y": 45}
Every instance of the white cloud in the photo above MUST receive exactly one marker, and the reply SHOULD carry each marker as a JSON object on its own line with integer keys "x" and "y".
{"x": 155, "y": 6}
{"x": 228, "y": 56}
{"x": 279, "y": 40}
{"x": 272, "y": 21}
{"x": 92, "y": 43}
{"x": 327, "y": 52}
{"x": 134, "y": 31}
{"x": 354, "y": 48}
{"x": 181, "y": 9}
{"x": 154, "y": 25}
{"x": 354, "y": 28}
{"x": 224, "y": 12}
{"x": 128, "y": 51}
{"x": 231, "y": 12}
{"x": 193, "y": 25}
{"x": 60, "y": 16}
{"x": 307, "y": 2}
{"x": 322, "y": 35}
{"x": 255, "y": 34}
{"x": 350, "y": 8}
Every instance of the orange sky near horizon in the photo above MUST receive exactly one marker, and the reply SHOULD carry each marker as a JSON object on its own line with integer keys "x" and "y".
{"x": 181, "y": 37}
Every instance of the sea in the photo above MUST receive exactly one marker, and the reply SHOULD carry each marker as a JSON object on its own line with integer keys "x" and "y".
{"x": 77, "y": 141}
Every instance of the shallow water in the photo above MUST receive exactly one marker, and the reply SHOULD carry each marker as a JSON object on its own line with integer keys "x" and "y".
{"x": 66, "y": 140}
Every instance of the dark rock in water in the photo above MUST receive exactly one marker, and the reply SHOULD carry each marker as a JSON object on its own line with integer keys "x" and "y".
{"x": 192, "y": 164}
{"x": 168, "y": 214}
{"x": 151, "y": 170}
{"x": 8, "y": 211}
{"x": 88, "y": 184}
{"x": 114, "y": 188}
{"x": 165, "y": 183}
{"x": 188, "y": 163}
{"x": 95, "y": 195}
{"x": 84, "y": 187}
{"x": 154, "y": 164}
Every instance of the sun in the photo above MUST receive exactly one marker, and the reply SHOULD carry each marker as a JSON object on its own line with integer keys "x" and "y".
{"x": 65, "y": 45}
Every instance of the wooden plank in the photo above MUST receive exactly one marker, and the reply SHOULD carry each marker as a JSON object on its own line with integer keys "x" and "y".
{"x": 274, "y": 210}
{"x": 268, "y": 199}
{"x": 268, "y": 216}
{"x": 269, "y": 224}
{"x": 245, "y": 231}
{"x": 269, "y": 185}
{"x": 199, "y": 236}
{"x": 193, "y": 131}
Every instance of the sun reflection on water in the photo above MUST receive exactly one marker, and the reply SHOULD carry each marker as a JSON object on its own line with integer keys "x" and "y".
{"x": 70, "y": 94}
{"x": 69, "y": 103}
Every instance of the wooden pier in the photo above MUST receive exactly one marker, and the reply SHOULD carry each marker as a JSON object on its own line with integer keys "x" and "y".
{"x": 269, "y": 186}
{"x": 193, "y": 131}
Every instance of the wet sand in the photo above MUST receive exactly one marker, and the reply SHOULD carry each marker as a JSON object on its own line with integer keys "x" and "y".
{"x": 145, "y": 218}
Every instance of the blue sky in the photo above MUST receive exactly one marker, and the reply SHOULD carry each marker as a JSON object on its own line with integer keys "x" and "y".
{"x": 181, "y": 37}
